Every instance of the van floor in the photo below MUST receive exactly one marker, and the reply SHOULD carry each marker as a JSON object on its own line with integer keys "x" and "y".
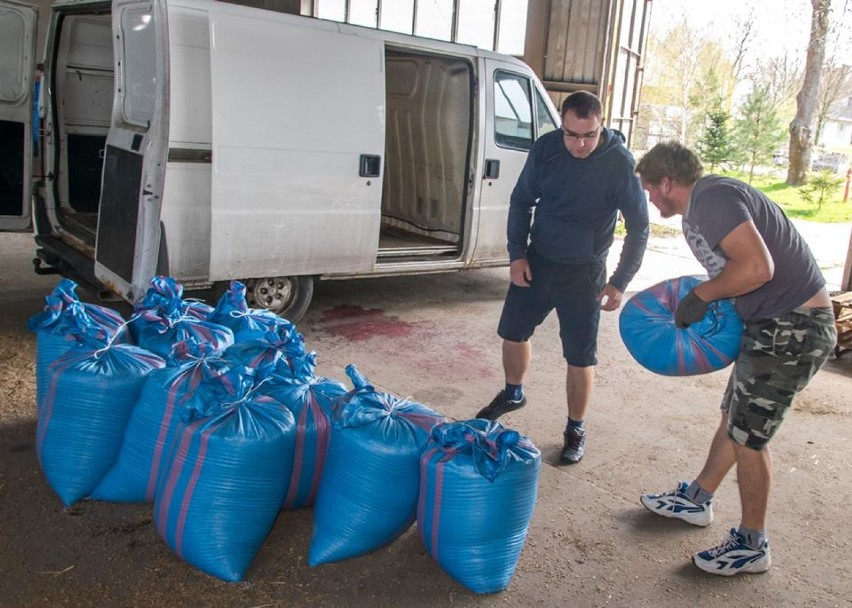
{"x": 396, "y": 242}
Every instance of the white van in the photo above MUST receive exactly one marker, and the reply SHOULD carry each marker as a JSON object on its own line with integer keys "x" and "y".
{"x": 210, "y": 141}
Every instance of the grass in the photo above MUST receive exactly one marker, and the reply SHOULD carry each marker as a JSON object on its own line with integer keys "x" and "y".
{"x": 794, "y": 204}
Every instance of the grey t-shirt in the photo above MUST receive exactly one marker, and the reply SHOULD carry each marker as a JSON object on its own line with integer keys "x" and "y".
{"x": 720, "y": 204}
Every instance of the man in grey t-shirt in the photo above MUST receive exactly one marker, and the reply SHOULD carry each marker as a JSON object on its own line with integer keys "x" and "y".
{"x": 753, "y": 253}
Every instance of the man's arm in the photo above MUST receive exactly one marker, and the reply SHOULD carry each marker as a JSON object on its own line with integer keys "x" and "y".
{"x": 749, "y": 265}
{"x": 635, "y": 213}
{"x": 521, "y": 203}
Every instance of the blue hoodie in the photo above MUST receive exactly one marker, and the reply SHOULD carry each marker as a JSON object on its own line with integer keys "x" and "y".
{"x": 576, "y": 203}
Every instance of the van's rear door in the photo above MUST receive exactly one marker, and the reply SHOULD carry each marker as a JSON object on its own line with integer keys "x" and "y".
{"x": 128, "y": 237}
{"x": 298, "y": 140}
{"x": 17, "y": 61}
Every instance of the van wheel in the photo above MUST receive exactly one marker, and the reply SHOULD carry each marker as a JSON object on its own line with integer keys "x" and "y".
{"x": 287, "y": 297}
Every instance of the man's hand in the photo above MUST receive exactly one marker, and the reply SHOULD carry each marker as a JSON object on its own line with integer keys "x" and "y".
{"x": 520, "y": 273}
{"x": 610, "y": 297}
{"x": 690, "y": 310}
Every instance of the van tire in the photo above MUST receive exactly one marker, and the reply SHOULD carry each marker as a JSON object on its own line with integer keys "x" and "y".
{"x": 288, "y": 297}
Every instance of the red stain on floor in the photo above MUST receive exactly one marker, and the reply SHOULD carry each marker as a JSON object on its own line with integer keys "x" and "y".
{"x": 358, "y": 324}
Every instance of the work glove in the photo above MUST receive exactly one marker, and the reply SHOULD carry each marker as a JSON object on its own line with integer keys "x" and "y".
{"x": 690, "y": 310}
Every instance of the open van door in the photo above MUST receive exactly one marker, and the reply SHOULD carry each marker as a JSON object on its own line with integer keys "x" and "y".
{"x": 521, "y": 113}
{"x": 17, "y": 61}
{"x": 298, "y": 140}
{"x": 128, "y": 235}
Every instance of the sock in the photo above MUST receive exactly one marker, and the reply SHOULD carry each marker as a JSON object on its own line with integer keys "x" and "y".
{"x": 514, "y": 392}
{"x": 697, "y": 494}
{"x": 576, "y": 424}
{"x": 753, "y": 538}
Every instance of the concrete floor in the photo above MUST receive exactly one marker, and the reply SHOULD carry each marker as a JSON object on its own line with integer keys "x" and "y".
{"x": 432, "y": 338}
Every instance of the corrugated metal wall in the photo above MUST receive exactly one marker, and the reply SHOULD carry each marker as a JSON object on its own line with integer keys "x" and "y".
{"x": 591, "y": 45}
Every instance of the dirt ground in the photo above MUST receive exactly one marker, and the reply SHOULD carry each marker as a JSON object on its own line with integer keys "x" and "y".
{"x": 432, "y": 338}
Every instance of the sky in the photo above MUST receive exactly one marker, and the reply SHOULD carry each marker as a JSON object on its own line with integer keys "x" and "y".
{"x": 781, "y": 25}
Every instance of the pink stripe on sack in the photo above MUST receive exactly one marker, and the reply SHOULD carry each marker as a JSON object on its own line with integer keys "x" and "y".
{"x": 436, "y": 507}
{"x": 171, "y": 481}
{"x": 323, "y": 428}
{"x": 298, "y": 457}
{"x": 187, "y": 496}
{"x": 165, "y": 424}
{"x": 424, "y": 483}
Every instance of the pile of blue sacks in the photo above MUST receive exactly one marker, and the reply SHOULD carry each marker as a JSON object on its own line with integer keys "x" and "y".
{"x": 216, "y": 417}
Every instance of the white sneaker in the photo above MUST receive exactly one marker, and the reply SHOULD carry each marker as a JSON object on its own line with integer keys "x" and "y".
{"x": 674, "y": 504}
{"x": 734, "y": 556}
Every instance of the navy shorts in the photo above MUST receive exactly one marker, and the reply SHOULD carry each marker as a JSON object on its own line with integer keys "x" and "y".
{"x": 573, "y": 290}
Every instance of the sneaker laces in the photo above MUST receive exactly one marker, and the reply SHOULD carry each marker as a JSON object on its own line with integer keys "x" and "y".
{"x": 731, "y": 542}
{"x": 574, "y": 438}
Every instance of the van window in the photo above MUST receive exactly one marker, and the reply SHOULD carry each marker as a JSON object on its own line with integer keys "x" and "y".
{"x": 12, "y": 36}
{"x": 138, "y": 74}
{"x": 513, "y": 125}
{"x": 544, "y": 120}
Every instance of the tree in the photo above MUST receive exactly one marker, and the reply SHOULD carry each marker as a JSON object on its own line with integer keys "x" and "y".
{"x": 801, "y": 128}
{"x": 675, "y": 89}
{"x": 715, "y": 145}
{"x": 821, "y": 186}
{"x": 757, "y": 132}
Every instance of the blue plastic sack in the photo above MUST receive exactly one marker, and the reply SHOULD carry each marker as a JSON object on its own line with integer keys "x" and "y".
{"x": 368, "y": 493}
{"x": 228, "y": 474}
{"x": 310, "y": 400}
{"x": 648, "y": 330}
{"x": 64, "y": 323}
{"x": 256, "y": 357}
{"x": 163, "y": 319}
{"x": 233, "y": 312}
{"x": 87, "y": 404}
{"x": 478, "y": 487}
{"x": 164, "y": 306}
{"x": 153, "y": 424}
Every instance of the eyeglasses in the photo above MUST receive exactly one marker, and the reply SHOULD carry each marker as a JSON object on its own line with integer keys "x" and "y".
{"x": 571, "y": 136}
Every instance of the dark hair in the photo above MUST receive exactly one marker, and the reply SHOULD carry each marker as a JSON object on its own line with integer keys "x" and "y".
{"x": 673, "y": 160}
{"x": 582, "y": 103}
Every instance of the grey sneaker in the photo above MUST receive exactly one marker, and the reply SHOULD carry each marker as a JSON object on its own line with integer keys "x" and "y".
{"x": 499, "y": 406}
{"x": 734, "y": 556}
{"x": 575, "y": 446}
{"x": 674, "y": 504}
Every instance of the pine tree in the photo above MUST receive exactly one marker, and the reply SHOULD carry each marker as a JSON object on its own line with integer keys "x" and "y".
{"x": 758, "y": 131}
{"x": 715, "y": 146}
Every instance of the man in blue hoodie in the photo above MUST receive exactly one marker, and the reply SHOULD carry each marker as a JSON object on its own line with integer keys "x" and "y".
{"x": 562, "y": 217}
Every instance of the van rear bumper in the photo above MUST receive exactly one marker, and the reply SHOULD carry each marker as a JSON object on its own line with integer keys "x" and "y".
{"x": 56, "y": 257}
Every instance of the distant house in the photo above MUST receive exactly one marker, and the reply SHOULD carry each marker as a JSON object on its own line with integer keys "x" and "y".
{"x": 837, "y": 131}
{"x": 836, "y": 134}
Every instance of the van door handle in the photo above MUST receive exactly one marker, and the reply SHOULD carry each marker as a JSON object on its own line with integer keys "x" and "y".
{"x": 492, "y": 168}
{"x": 369, "y": 165}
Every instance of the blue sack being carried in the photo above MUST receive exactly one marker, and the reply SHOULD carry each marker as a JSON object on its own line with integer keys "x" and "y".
{"x": 87, "y": 404}
{"x": 648, "y": 330}
{"x": 478, "y": 486}
{"x": 228, "y": 473}
{"x": 154, "y": 422}
{"x": 62, "y": 325}
{"x": 310, "y": 399}
{"x": 368, "y": 492}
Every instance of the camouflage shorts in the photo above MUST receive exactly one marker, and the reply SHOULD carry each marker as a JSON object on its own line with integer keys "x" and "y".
{"x": 777, "y": 359}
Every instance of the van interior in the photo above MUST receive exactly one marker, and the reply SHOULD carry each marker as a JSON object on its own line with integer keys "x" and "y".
{"x": 428, "y": 141}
